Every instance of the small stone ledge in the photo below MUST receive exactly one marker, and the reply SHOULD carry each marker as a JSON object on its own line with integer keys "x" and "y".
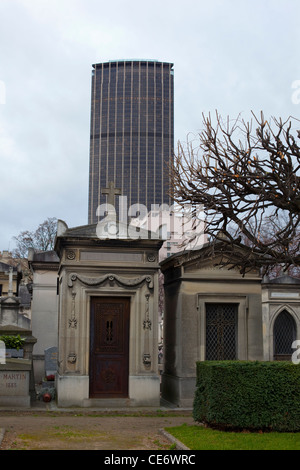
{"x": 173, "y": 440}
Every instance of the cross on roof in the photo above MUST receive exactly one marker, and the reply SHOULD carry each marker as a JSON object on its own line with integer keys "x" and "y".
{"x": 111, "y": 192}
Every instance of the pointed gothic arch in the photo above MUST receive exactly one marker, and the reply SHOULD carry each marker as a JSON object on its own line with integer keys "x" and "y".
{"x": 284, "y": 333}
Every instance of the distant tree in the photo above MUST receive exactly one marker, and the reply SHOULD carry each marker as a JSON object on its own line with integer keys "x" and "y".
{"x": 42, "y": 239}
{"x": 247, "y": 181}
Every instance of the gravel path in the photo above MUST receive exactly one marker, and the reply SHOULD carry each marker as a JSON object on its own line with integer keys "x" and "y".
{"x": 84, "y": 429}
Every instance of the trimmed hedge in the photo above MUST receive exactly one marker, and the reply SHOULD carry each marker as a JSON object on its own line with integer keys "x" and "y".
{"x": 248, "y": 395}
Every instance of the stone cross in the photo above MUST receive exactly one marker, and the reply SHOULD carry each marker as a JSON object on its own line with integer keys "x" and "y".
{"x": 10, "y": 281}
{"x": 111, "y": 192}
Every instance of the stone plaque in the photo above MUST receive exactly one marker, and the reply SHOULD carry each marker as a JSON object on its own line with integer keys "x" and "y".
{"x": 14, "y": 383}
{"x": 51, "y": 360}
{"x": 288, "y": 295}
{"x": 110, "y": 257}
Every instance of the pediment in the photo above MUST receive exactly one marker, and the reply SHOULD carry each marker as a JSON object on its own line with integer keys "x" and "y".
{"x": 210, "y": 267}
{"x": 203, "y": 263}
{"x": 9, "y": 301}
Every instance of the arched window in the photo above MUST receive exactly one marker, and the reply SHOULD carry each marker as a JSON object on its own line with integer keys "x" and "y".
{"x": 284, "y": 335}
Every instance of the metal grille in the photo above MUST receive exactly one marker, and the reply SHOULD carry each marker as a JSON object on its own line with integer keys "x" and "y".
{"x": 221, "y": 331}
{"x": 284, "y": 335}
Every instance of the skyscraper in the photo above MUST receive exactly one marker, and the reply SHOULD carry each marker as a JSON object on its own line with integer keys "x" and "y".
{"x": 132, "y": 132}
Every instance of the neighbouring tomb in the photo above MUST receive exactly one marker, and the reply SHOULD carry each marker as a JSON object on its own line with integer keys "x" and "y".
{"x": 215, "y": 313}
{"x": 211, "y": 313}
{"x": 44, "y": 307}
{"x": 14, "y": 384}
{"x": 17, "y": 384}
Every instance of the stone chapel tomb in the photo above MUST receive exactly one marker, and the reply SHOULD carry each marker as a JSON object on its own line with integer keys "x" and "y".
{"x": 107, "y": 317}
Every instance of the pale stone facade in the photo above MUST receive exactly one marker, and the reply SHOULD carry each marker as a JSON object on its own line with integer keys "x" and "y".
{"x": 92, "y": 269}
{"x": 279, "y": 295}
{"x": 44, "y": 305}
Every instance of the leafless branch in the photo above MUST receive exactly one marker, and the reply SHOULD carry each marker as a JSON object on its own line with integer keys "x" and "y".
{"x": 245, "y": 174}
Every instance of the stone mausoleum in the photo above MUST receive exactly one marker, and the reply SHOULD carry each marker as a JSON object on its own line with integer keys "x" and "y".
{"x": 107, "y": 318}
{"x": 214, "y": 313}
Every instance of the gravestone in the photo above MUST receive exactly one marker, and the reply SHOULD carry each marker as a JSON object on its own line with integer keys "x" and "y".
{"x": 15, "y": 382}
{"x": 17, "y": 385}
{"x": 51, "y": 361}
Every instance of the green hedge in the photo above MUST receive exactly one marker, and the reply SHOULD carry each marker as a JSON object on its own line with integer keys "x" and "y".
{"x": 248, "y": 395}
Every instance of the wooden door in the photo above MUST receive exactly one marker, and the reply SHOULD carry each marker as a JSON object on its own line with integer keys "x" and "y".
{"x": 109, "y": 347}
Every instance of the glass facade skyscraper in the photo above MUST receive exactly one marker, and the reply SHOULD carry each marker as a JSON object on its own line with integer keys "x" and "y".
{"x": 132, "y": 132}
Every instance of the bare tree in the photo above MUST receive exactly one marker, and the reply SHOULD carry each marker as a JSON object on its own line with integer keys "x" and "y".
{"x": 41, "y": 239}
{"x": 244, "y": 174}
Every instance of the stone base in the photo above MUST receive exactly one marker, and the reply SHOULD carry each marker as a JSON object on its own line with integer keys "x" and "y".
{"x": 179, "y": 391}
{"x": 144, "y": 390}
{"x": 106, "y": 403}
{"x": 71, "y": 390}
{"x": 18, "y": 402}
{"x": 74, "y": 391}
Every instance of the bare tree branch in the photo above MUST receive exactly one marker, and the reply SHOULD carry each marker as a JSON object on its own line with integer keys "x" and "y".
{"x": 41, "y": 239}
{"x": 244, "y": 174}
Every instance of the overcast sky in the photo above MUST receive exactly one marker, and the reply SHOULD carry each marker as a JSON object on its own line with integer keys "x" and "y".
{"x": 231, "y": 55}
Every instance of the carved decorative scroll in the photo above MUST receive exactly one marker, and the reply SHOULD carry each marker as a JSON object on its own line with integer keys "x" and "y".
{"x": 147, "y": 322}
{"x": 112, "y": 278}
{"x": 73, "y": 320}
{"x": 147, "y": 327}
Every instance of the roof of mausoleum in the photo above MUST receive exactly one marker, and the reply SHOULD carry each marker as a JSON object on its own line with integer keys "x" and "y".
{"x": 98, "y": 235}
